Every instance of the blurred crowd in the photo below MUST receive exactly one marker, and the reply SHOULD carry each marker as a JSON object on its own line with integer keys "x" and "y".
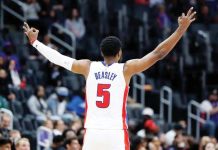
{"x": 35, "y": 93}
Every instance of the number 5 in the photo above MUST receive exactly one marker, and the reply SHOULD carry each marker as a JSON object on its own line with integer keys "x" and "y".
{"x": 102, "y": 91}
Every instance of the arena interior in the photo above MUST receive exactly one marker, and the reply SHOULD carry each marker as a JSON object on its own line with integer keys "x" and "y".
{"x": 171, "y": 106}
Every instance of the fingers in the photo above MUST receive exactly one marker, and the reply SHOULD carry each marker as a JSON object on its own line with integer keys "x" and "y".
{"x": 189, "y": 11}
{"x": 34, "y": 30}
{"x": 183, "y": 14}
{"x": 192, "y": 15}
{"x": 25, "y": 28}
{"x": 193, "y": 19}
{"x": 26, "y": 25}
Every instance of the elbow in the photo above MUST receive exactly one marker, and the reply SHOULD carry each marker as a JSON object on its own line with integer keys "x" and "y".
{"x": 160, "y": 54}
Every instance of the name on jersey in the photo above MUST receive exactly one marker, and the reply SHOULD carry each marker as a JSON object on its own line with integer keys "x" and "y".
{"x": 105, "y": 75}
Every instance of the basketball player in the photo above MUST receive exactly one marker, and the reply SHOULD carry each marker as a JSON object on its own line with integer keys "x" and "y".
{"x": 107, "y": 84}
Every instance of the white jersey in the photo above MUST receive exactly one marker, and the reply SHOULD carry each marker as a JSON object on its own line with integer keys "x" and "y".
{"x": 106, "y": 96}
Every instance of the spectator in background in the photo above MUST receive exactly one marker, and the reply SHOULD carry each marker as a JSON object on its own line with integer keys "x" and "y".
{"x": 13, "y": 102}
{"x": 3, "y": 102}
{"x": 77, "y": 125}
{"x": 210, "y": 106}
{"x": 57, "y": 143}
{"x": 171, "y": 134}
{"x": 37, "y": 104}
{"x": 213, "y": 7}
{"x": 142, "y": 145}
{"x": 77, "y": 103}
{"x": 48, "y": 124}
{"x": 5, "y": 121}
{"x": 31, "y": 10}
{"x": 58, "y": 9}
{"x": 72, "y": 144}
{"x": 214, "y": 111}
{"x": 46, "y": 8}
{"x": 59, "y": 127}
{"x": 15, "y": 135}
{"x": 179, "y": 142}
{"x": 5, "y": 144}
{"x": 10, "y": 51}
{"x": 14, "y": 76}
{"x": 163, "y": 21}
{"x": 209, "y": 146}
{"x": 46, "y": 14}
{"x": 204, "y": 141}
{"x": 204, "y": 16}
{"x": 149, "y": 126}
{"x": 80, "y": 135}
{"x": 68, "y": 133}
{"x": 57, "y": 103}
{"x": 155, "y": 144}
{"x": 75, "y": 24}
{"x": 22, "y": 144}
{"x": 5, "y": 124}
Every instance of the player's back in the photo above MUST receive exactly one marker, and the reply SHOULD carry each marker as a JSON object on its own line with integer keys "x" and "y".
{"x": 106, "y": 94}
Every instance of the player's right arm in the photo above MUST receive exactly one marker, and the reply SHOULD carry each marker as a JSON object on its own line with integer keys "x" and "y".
{"x": 138, "y": 65}
{"x": 71, "y": 64}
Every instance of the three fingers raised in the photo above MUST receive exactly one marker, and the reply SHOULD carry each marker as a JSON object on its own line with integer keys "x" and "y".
{"x": 190, "y": 15}
{"x": 190, "y": 11}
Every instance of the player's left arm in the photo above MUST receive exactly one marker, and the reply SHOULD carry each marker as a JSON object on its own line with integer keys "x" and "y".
{"x": 138, "y": 65}
{"x": 71, "y": 64}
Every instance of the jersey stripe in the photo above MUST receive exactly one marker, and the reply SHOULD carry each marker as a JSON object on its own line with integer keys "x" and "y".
{"x": 124, "y": 107}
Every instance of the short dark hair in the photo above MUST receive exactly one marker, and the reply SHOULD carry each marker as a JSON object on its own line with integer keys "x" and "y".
{"x": 58, "y": 139}
{"x": 110, "y": 46}
{"x": 4, "y": 141}
{"x": 64, "y": 134}
{"x": 68, "y": 141}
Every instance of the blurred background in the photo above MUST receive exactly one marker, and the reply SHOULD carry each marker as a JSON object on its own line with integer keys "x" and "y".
{"x": 173, "y": 105}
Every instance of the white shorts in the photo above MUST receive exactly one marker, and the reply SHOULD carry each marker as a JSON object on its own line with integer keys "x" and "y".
{"x": 106, "y": 140}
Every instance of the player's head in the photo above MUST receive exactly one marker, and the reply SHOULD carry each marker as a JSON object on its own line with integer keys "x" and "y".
{"x": 111, "y": 47}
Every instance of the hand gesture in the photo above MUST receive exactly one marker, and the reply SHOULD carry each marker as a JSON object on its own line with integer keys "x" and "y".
{"x": 31, "y": 33}
{"x": 185, "y": 20}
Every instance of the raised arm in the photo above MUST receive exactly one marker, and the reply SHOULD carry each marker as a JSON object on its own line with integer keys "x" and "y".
{"x": 138, "y": 65}
{"x": 71, "y": 64}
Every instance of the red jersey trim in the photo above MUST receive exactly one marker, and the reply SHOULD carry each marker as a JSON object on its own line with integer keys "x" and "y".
{"x": 124, "y": 107}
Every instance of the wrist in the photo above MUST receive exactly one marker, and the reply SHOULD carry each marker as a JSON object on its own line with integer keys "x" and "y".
{"x": 181, "y": 30}
{"x": 32, "y": 41}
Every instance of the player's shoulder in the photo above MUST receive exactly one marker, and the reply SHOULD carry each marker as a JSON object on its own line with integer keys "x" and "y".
{"x": 129, "y": 67}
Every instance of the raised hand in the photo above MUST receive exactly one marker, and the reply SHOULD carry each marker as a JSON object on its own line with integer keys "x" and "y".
{"x": 185, "y": 20}
{"x": 31, "y": 33}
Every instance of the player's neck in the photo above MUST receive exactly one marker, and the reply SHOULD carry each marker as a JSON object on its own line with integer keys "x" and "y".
{"x": 110, "y": 61}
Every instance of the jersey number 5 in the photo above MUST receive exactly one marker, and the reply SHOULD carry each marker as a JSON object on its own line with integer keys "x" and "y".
{"x": 103, "y": 92}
